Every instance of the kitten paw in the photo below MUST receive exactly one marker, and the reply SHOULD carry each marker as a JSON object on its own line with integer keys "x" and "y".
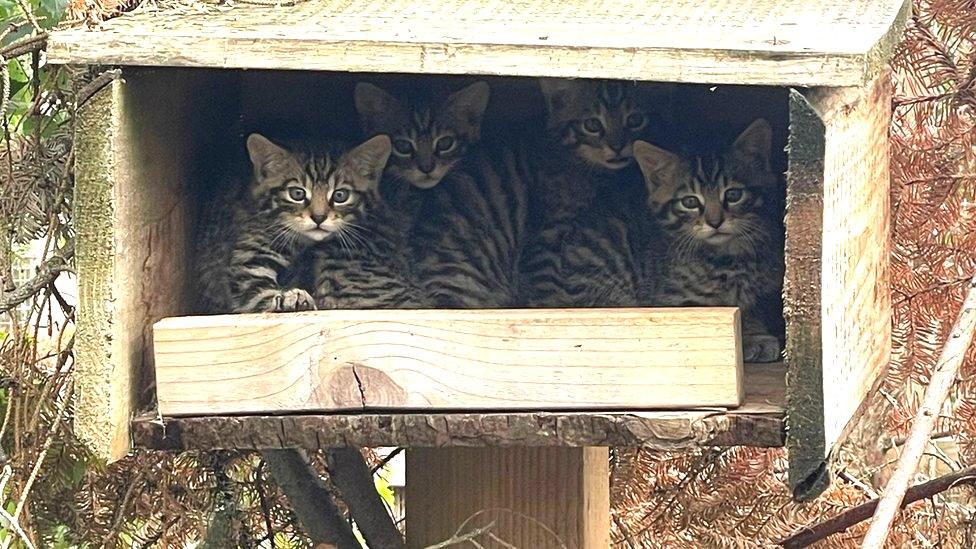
{"x": 293, "y": 299}
{"x": 761, "y": 348}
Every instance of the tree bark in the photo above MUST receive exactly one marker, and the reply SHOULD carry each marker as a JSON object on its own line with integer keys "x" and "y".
{"x": 310, "y": 499}
{"x": 353, "y": 477}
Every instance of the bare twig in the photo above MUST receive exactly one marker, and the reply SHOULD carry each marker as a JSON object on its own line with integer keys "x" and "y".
{"x": 459, "y": 538}
{"x": 27, "y": 44}
{"x": 855, "y": 515}
{"x": 46, "y": 274}
{"x": 93, "y": 87}
{"x": 942, "y": 380}
{"x": 14, "y": 525}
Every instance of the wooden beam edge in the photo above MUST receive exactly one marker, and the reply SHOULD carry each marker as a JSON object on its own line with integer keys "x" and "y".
{"x": 751, "y": 67}
{"x": 664, "y": 431}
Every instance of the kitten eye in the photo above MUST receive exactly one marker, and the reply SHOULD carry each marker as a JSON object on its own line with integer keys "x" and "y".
{"x": 733, "y": 195}
{"x": 297, "y": 194}
{"x": 593, "y": 125}
{"x": 340, "y": 196}
{"x": 635, "y": 120}
{"x": 403, "y": 146}
{"x": 445, "y": 144}
{"x": 691, "y": 202}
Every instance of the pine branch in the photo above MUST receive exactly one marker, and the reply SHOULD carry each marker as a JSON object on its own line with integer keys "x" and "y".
{"x": 855, "y": 515}
{"x": 350, "y": 473}
{"x": 46, "y": 273}
{"x": 942, "y": 380}
{"x": 310, "y": 499}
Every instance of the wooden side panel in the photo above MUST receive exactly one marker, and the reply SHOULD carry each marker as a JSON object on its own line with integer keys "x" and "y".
{"x": 103, "y": 379}
{"x": 440, "y": 359}
{"x": 133, "y": 226}
{"x": 536, "y": 497}
{"x": 856, "y": 249}
{"x": 763, "y": 42}
{"x": 853, "y": 327}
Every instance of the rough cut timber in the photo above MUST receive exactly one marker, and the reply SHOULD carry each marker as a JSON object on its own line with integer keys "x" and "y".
{"x": 758, "y": 422}
{"x": 521, "y": 359}
{"x": 771, "y": 42}
{"x": 836, "y": 289}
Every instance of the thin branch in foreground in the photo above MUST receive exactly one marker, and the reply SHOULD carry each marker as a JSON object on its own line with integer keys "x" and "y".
{"x": 46, "y": 274}
{"x": 942, "y": 380}
{"x": 855, "y": 515}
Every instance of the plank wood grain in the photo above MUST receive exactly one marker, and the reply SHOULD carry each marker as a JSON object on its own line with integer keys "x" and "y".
{"x": 837, "y": 295}
{"x": 772, "y": 42}
{"x": 439, "y": 359}
{"x": 531, "y": 497}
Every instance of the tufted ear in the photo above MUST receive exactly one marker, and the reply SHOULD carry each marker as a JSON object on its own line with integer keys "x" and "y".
{"x": 379, "y": 112}
{"x": 466, "y": 107}
{"x": 368, "y": 160}
{"x": 264, "y": 153}
{"x": 561, "y": 94}
{"x": 755, "y": 145}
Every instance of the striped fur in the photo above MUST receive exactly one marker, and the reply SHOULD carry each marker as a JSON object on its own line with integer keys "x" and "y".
{"x": 428, "y": 139}
{"x": 469, "y": 237}
{"x": 371, "y": 269}
{"x": 295, "y": 199}
{"x": 720, "y": 243}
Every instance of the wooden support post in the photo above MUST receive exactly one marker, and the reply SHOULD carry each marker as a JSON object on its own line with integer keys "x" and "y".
{"x": 532, "y": 495}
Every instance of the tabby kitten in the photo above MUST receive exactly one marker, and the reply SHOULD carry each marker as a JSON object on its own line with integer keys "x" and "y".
{"x": 591, "y": 126}
{"x": 719, "y": 242}
{"x": 428, "y": 140}
{"x": 469, "y": 237}
{"x": 295, "y": 199}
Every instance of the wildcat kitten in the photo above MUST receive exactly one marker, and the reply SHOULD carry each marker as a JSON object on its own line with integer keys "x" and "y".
{"x": 591, "y": 126}
{"x": 295, "y": 199}
{"x": 428, "y": 140}
{"x": 468, "y": 238}
{"x": 718, "y": 242}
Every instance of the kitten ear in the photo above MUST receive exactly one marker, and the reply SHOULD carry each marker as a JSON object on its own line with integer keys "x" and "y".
{"x": 560, "y": 93}
{"x": 653, "y": 161}
{"x": 467, "y": 107}
{"x": 755, "y": 144}
{"x": 369, "y": 159}
{"x": 379, "y": 112}
{"x": 264, "y": 154}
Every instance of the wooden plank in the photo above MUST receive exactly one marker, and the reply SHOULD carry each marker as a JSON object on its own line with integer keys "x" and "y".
{"x": 771, "y": 42}
{"x": 840, "y": 300}
{"x": 103, "y": 381}
{"x": 532, "y": 497}
{"x": 758, "y": 422}
{"x": 132, "y": 214}
{"x": 439, "y": 359}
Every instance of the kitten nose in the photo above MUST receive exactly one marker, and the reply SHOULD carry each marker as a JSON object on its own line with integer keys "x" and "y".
{"x": 426, "y": 167}
{"x": 318, "y": 218}
{"x": 714, "y": 223}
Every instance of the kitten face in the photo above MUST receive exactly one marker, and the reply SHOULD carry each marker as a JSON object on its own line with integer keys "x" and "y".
{"x": 427, "y": 142}
{"x": 714, "y": 200}
{"x": 598, "y": 119}
{"x": 316, "y": 195}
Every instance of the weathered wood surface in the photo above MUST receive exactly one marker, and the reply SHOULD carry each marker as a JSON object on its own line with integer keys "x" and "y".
{"x": 132, "y": 223}
{"x": 519, "y": 359}
{"x": 758, "y": 422}
{"x": 531, "y": 497}
{"x": 104, "y": 391}
{"x": 838, "y": 245}
{"x": 772, "y": 42}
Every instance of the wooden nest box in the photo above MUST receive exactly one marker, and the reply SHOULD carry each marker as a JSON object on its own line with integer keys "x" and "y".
{"x": 190, "y": 90}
